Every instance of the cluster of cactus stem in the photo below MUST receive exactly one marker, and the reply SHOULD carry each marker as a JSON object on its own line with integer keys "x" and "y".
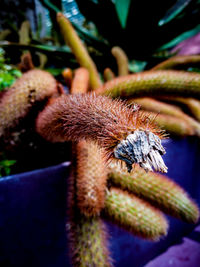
{"x": 100, "y": 187}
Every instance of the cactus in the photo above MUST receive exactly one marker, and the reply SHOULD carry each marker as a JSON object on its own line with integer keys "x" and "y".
{"x": 174, "y": 126}
{"x": 80, "y": 83}
{"x": 114, "y": 126}
{"x": 67, "y": 75}
{"x": 191, "y": 103}
{"x": 33, "y": 86}
{"x": 71, "y": 38}
{"x": 108, "y": 74}
{"x": 156, "y": 106}
{"x": 178, "y": 62}
{"x": 152, "y": 83}
{"x": 134, "y": 214}
{"x": 91, "y": 179}
{"x": 88, "y": 242}
{"x": 91, "y": 173}
{"x": 122, "y": 60}
{"x": 88, "y": 238}
{"x": 157, "y": 189}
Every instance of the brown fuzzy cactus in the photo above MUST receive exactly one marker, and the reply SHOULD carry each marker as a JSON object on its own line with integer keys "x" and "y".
{"x": 153, "y": 83}
{"x": 113, "y": 125}
{"x": 91, "y": 175}
{"x": 134, "y": 214}
{"x": 33, "y": 86}
{"x": 91, "y": 178}
{"x": 156, "y": 189}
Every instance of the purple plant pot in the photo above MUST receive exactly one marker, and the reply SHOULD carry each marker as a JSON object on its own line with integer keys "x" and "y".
{"x": 33, "y": 217}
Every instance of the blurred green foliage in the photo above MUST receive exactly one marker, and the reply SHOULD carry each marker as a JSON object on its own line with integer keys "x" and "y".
{"x": 5, "y": 167}
{"x": 122, "y": 9}
{"x": 8, "y": 73}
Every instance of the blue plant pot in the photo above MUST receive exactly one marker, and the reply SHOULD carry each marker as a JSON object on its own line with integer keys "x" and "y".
{"x": 33, "y": 217}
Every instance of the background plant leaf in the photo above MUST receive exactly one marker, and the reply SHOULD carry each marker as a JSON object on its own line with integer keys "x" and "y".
{"x": 181, "y": 38}
{"x": 122, "y": 8}
{"x": 174, "y": 11}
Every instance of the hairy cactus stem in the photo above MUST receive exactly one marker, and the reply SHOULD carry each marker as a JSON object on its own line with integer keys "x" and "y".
{"x": 108, "y": 74}
{"x": 156, "y": 189}
{"x": 91, "y": 173}
{"x": 88, "y": 238}
{"x": 134, "y": 214}
{"x": 153, "y": 82}
{"x": 156, "y": 106}
{"x": 33, "y": 86}
{"x": 172, "y": 125}
{"x": 80, "y": 83}
{"x": 178, "y": 62}
{"x": 72, "y": 39}
{"x": 122, "y": 60}
{"x": 191, "y": 103}
{"x": 120, "y": 130}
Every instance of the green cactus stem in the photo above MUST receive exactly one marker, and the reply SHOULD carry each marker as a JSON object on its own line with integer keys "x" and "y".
{"x": 172, "y": 125}
{"x": 158, "y": 189}
{"x": 156, "y": 106}
{"x": 122, "y": 60}
{"x": 72, "y": 39}
{"x": 178, "y": 62}
{"x": 191, "y": 103}
{"x": 88, "y": 238}
{"x": 134, "y": 214}
{"x": 153, "y": 83}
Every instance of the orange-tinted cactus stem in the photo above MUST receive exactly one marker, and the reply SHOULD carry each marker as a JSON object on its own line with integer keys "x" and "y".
{"x": 91, "y": 178}
{"x": 80, "y": 82}
{"x": 108, "y": 122}
{"x": 67, "y": 75}
{"x": 33, "y": 86}
{"x": 91, "y": 173}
